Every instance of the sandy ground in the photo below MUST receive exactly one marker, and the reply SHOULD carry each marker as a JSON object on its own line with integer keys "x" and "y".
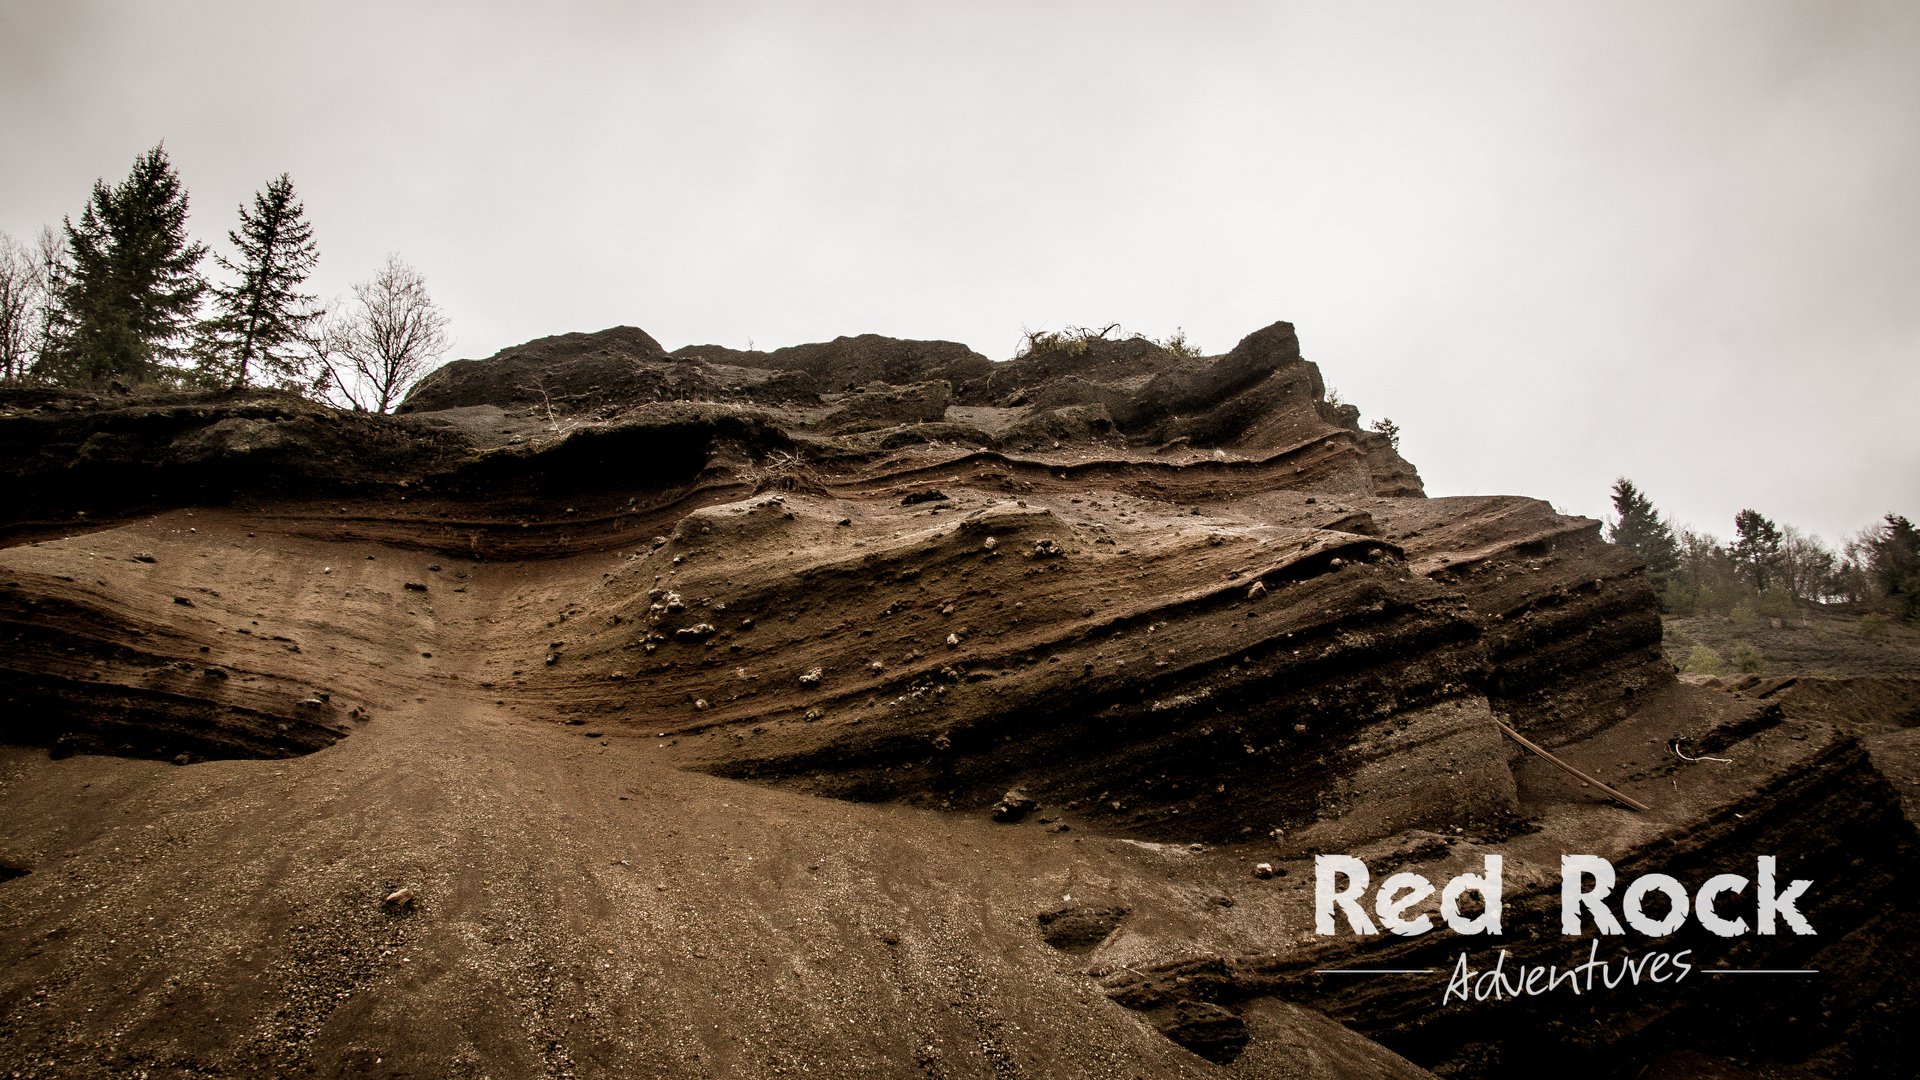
{"x": 579, "y": 908}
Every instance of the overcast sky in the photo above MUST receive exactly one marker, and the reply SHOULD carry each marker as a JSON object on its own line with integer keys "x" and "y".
{"x": 1556, "y": 242}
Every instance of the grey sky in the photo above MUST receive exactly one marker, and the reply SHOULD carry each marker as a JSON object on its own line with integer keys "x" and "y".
{"x": 1555, "y": 242}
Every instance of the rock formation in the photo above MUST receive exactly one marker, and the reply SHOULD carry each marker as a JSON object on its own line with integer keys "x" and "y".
{"x": 816, "y": 613}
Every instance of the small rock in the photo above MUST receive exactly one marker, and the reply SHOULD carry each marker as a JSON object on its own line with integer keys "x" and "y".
{"x": 1257, "y": 590}
{"x": 416, "y": 586}
{"x": 182, "y": 759}
{"x": 812, "y": 677}
{"x": 696, "y": 632}
{"x": 953, "y": 641}
{"x": 183, "y": 601}
{"x": 433, "y": 568}
{"x": 552, "y": 659}
{"x": 1047, "y": 549}
{"x": 990, "y": 544}
{"x": 930, "y": 495}
{"x": 399, "y": 900}
{"x": 1263, "y": 870}
{"x": 1014, "y": 805}
{"x": 144, "y": 556}
{"x": 699, "y": 703}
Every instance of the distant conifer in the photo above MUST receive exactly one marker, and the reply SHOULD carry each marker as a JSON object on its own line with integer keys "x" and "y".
{"x": 131, "y": 287}
{"x": 1756, "y": 549}
{"x": 262, "y": 318}
{"x": 1640, "y": 528}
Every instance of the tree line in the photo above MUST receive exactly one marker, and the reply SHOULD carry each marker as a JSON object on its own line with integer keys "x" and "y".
{"x": 120, "y": 298}
{"x": 1768, "y": 569}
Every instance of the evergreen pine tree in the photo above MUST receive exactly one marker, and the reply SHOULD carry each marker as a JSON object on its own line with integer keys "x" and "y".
{"x": 1640, "y": 528}
{"x": 131, "y": 287}
{"x": 1756, "y": 548}
{"x": 262, "y": 316}
{"x": 1894, "y": 562}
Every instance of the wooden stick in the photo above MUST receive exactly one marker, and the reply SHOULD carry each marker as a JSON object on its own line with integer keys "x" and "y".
{"x": 1625, "y": 800}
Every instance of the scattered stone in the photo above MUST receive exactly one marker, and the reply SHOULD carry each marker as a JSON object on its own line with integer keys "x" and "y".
{"x": 1014, "y": 805}
{"x": 673, "y": 602}
{"x": 1262, "y": 870}
{"x": 593, "y": 734}
{"x": 183, "y": 601}
{"x": 696, "y": 632}
{"x": 416, "y": 586}
{"x": 552, "y": 659}
{"x": 433, "y": 568}
{"x": 812, "y": 677}
{"x": 144, "y": 556}
{"x": 918, "y": 497}
{"x": 183, "y": 759}
{"x": 990, "y": 544}
{"x": 876, "y": 667}
{"x": 399, "y": 900}
{"x": 953, "y": 641}
{"x": 1047, "y": 549}
{"x": 1257, "y": 590}
{"x": 814, "y": 716}
{"x": 699, "y": 704}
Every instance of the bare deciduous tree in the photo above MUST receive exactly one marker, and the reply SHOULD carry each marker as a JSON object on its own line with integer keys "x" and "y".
{"x": 380, "y": 342}
{"x": 26, "y": 295}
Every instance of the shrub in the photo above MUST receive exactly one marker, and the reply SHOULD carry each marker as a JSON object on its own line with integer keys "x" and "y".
{"x": 1177, "y": 344}
{"x": 1747, "y": 659}
{"x": 1703, "y": 660}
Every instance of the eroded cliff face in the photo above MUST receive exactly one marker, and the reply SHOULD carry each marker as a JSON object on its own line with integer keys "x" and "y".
{"x": 1126, "y": 601}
